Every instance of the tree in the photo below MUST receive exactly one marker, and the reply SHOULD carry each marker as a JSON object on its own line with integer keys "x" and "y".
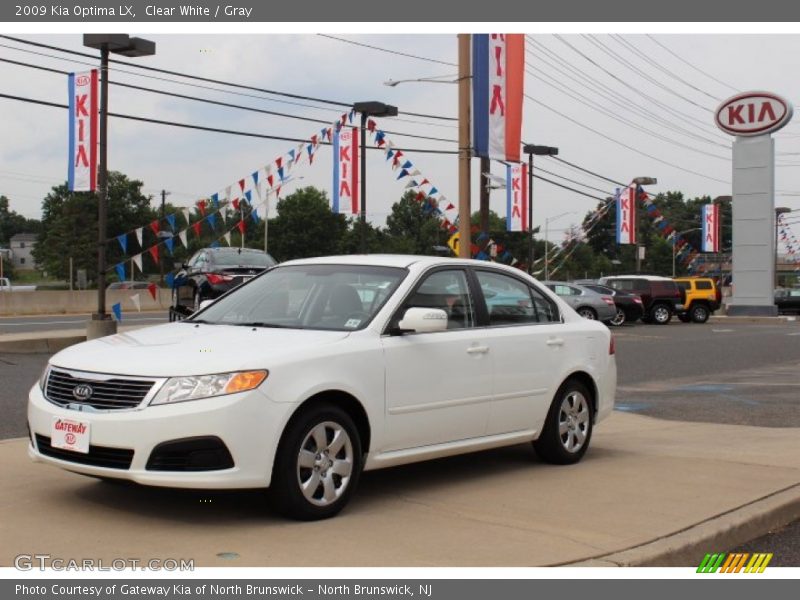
{"x": 12, "y": 223}
{"x": 69, "y": 226}
{"x": 305, "y": 226}
{"x": 410, "y": 229}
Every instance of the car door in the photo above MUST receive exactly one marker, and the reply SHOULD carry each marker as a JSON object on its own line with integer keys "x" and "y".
{"x": 438, "y": 385}
{"x": 527, "y": 340}
{"x": 184, "y": 285}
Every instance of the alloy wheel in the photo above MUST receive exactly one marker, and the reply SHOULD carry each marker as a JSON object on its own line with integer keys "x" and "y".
{"x": 573, "y": 421}
{"x": 325, "y": 463}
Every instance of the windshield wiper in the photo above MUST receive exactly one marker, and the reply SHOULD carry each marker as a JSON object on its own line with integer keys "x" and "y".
{"x": 264, "y": 324}
{"x": 195, "y": 321}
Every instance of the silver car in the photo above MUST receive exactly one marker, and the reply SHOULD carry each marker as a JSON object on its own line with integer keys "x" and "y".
{"x": 587, "y": 303}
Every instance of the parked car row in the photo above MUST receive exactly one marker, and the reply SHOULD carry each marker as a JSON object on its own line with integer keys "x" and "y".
{"x": 653, "y": 299}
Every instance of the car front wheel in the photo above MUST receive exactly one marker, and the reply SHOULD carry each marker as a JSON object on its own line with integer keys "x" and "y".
{"x": 318, "y": 464}
{"x": 568, "y": 427}
{"x": 587, "y": 313}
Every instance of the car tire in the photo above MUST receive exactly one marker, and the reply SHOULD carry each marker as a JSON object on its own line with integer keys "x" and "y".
{"x": 587, "y": 312}
{"x": 700, "y": 313}
{"x": 318, "y": 464}
{"x": 660, "y": 314}
{"x": 684, "y": 318}
{"x": 619, "y": 319}
{"x": 568, "y": 427}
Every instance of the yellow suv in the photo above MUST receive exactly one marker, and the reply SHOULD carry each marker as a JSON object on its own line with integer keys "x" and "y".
{"x": 702, "y": 298}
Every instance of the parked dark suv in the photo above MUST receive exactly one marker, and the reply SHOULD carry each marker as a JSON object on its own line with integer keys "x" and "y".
{"x": 661, "y": 296}
{"x": 210, "y": 273}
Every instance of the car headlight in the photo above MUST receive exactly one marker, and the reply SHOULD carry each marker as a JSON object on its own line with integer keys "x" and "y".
{"x": 195, "y": 387}
{"x": 43, "y": 377}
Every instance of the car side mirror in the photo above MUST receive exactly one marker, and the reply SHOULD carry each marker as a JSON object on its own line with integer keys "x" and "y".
{"x": 423, "y": 320}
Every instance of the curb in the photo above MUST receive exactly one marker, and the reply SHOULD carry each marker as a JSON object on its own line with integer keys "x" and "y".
{"x": 773, "y": 320}
{"x": 720, "y": 533}
{"x": 40, "y": 345}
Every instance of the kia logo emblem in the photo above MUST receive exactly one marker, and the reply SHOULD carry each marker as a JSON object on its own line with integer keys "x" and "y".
{"x": 82, "y": 80}
{"x": 83, "y": 391}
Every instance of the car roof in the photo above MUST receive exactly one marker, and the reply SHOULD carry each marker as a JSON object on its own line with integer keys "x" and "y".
{"x": 396, "y": 260}
{"x": 647, "y": 277}
{"x": 224, "y": 249}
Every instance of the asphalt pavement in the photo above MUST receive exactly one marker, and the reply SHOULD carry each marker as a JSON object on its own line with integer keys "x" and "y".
{"x": 731, "y": 373}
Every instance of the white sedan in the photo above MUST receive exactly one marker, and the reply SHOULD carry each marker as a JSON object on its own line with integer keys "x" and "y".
{"x": 322, "y": 368}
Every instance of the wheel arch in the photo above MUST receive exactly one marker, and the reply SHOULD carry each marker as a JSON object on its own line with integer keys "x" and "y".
{"x": 588, "y": 381}
{"x": 344, "y": 400}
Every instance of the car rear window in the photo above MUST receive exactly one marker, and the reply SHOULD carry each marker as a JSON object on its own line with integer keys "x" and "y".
{"x": 665, "y": 288}
{"x": 703, "y": 285}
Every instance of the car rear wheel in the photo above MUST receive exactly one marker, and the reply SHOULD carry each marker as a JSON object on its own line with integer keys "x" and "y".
{"x": 587, "y": 313}
{"x": 660, "y": 314}
{"x": 619, "y": 318}
{"x": 700, "y": 313}
{"x": 568, "y": 427}
{"x": 318, "y": 464}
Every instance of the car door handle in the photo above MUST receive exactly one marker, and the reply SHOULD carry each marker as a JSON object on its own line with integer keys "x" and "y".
{"x": 555, "y": 342}
{"x": 477, "y": 349}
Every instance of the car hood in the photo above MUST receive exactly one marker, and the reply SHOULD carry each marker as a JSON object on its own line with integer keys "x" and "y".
{"x": 191, "y": 349}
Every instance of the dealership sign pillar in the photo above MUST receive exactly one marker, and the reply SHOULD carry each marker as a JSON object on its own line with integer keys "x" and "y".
{"x": 752, "y": 117}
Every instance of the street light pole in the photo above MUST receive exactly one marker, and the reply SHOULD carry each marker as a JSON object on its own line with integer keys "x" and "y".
{"x": 639, "y": 181}
{"x": 530, "y": 150}
{"x": 367, "y": 109}
{"x": 101, "y": 323}
{"x": 780, "y": 210}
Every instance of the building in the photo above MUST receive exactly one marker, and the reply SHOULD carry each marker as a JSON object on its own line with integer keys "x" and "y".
{"x": 21, "y": 246}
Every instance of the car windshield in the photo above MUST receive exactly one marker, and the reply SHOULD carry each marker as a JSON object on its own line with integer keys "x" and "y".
{"x": 233, "y": 259}
{"x": 332, "y": 297}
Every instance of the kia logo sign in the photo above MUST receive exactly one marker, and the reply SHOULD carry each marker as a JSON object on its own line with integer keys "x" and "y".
{"x": 82, "y": 391}
{"x": 81, "y": 80}
{"x": 753, "y": 113}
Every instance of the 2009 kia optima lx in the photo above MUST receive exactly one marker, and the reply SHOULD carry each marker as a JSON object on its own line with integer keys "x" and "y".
{"x": 321, "y": 368}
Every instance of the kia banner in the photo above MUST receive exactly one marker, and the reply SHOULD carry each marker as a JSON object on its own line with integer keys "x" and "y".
{"x": 82, "y": 172}
{"x": 517, "y": 197}
{"x": 626, "y": 215}
{"x": 711, "y": 228}
{"x": 345, "y": 171}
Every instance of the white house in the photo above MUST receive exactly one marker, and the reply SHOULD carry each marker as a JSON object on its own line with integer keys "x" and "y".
{"x": 21, "y": 246}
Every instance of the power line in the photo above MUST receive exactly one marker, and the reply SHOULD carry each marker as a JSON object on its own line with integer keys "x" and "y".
{"x": 584, "y": 77}
{"x": 637, "y": 52}
{"x": 210, "y": 80}
{"x": 695, "y": 67}
{"x": 598, "y": 88}
{"x": 217, "y": 102}
{"x": 395, "y": 52}
{"x": 593, "y": 105}
{"x": 574, "y": 166}
{"x": 211, "y": 129}
{"x": 623, "y": 144}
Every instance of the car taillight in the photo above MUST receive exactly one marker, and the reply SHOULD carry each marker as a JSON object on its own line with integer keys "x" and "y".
{"x": 637, "y": 299}
{"x": 608, "y": 300}
{"x": 215, "y": 279}
{"x": 612, "y": 346}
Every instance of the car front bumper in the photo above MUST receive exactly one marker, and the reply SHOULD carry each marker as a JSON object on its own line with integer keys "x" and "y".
{"x": 249, "y": 424}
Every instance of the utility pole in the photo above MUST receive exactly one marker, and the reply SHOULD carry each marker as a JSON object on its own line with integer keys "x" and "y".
{"x": 164, "y": 194}
{"x": 464, "y": 149}
{"x": 484, "y": 193}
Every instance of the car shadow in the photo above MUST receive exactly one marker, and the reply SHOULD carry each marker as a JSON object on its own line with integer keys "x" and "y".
{"x": 226, "y": 507}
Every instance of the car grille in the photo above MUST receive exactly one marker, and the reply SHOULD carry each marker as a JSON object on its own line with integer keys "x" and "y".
{"x": 107, "y": 394}
{"x": 98, "y": 456}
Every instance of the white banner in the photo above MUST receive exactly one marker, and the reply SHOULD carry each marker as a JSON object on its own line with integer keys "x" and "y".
{"x": 82, "y": 172}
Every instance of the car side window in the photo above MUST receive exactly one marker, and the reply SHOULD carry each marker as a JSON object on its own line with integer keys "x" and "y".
{"x": 703, "y": 285}
{"x": 560, "y": 289}
{"x": 575, "y": 291}
{"x": 508, "y": 300}
{"x": 546, "y": 311}
{"x": 446, "y": 290}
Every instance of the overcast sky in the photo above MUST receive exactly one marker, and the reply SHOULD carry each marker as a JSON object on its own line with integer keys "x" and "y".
{"x": 195, "y": 164}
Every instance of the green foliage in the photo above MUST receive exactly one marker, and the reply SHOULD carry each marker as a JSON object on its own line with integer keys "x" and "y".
{"x": 410, "y": 230}
{"x": 69, "y": 226}
{"x": 305, "y": 226}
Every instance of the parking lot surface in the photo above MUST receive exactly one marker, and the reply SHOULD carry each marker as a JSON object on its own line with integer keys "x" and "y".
{"x": 643, "y": 479}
